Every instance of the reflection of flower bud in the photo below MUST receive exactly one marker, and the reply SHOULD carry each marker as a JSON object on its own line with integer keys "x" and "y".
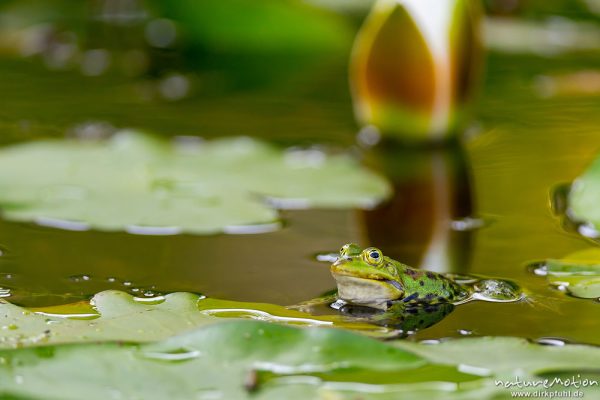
{"x": 428, "y": 221}
{"x": 414, "y": 65}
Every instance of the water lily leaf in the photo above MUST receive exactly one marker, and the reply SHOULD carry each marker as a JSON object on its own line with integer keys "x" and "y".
{"x": 119, "y": 316}
{"x": 584, "y": 195}
{"x": 506, "y": 356}
{"x": 251, "y": 359}
{"x": 193, "y": 365}
{"x": 140, "y": 184}
{"x": 580, "y": 286}
{"x": 578, "y": 273}
{"x": 584, "y": 262}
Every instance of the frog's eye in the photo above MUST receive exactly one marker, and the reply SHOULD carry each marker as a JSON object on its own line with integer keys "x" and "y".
{"x": 373, "y": 256}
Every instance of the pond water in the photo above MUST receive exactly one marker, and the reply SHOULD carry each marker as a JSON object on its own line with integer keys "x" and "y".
{"x": 523, "y": 144}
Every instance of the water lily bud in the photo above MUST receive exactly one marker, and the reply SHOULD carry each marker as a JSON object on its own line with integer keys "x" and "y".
{"x": 414, "y": 67}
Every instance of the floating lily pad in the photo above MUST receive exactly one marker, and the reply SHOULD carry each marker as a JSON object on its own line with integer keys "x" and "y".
{"x": 580, "y": 286}
{"x": 578, "y": 273}
{"x": 584, "y": 197}
{"x": 117, "y": 315}
{"x": 584, "y": 262}
{"x": 507, "y": 355}
{"x": 141, "y": 184}
{"x": 269, "y": 361}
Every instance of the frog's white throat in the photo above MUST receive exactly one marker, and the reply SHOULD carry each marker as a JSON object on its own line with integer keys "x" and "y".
{"x": 362, "y": 291}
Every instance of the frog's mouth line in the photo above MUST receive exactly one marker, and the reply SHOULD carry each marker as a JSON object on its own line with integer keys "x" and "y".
{"x": 340, "y": 267}
{"x": 390, "y": 282}
{"x": 393, "y": 283}
{"x": 367, "y": 290}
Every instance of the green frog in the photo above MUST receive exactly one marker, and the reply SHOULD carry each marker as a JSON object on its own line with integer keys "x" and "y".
{"x": 383, "y": 291}
{"x": 368, "y": 278}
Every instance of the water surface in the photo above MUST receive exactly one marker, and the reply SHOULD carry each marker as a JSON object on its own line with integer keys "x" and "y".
{"x": 523, "y": 143}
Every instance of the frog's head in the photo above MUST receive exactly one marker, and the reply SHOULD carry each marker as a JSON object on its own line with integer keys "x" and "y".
{"x": 366, "y": 276}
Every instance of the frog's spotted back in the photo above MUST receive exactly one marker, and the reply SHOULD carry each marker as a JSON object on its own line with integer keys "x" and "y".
{"x": 429, "y": 287}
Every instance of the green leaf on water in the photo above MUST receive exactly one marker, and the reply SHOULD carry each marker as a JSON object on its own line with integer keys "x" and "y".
{"x": 141, "y": 184}
{"x": 119, "y": 316}
{"x": 584, "y": 196}
{"x": 578, "y": 273}
{"x": 583, "y": 262}
{"x": 258, "y": 360}
{"x": 580, "y": 286}
{"x": 504, "y": 356}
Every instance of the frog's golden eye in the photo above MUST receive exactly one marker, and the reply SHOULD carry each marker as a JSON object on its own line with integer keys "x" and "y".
{"x": 373, "y": 256}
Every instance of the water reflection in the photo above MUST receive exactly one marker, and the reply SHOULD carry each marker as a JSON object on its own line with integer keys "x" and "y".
{"x": 428, "y": 221}
{"x": 271, "y": 267}
{"x": 409, "y": 320}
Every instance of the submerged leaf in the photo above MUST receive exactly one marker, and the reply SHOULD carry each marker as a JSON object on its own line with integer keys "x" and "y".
{"x": 268, "y": 361}
{"x": 141, "y": 184}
